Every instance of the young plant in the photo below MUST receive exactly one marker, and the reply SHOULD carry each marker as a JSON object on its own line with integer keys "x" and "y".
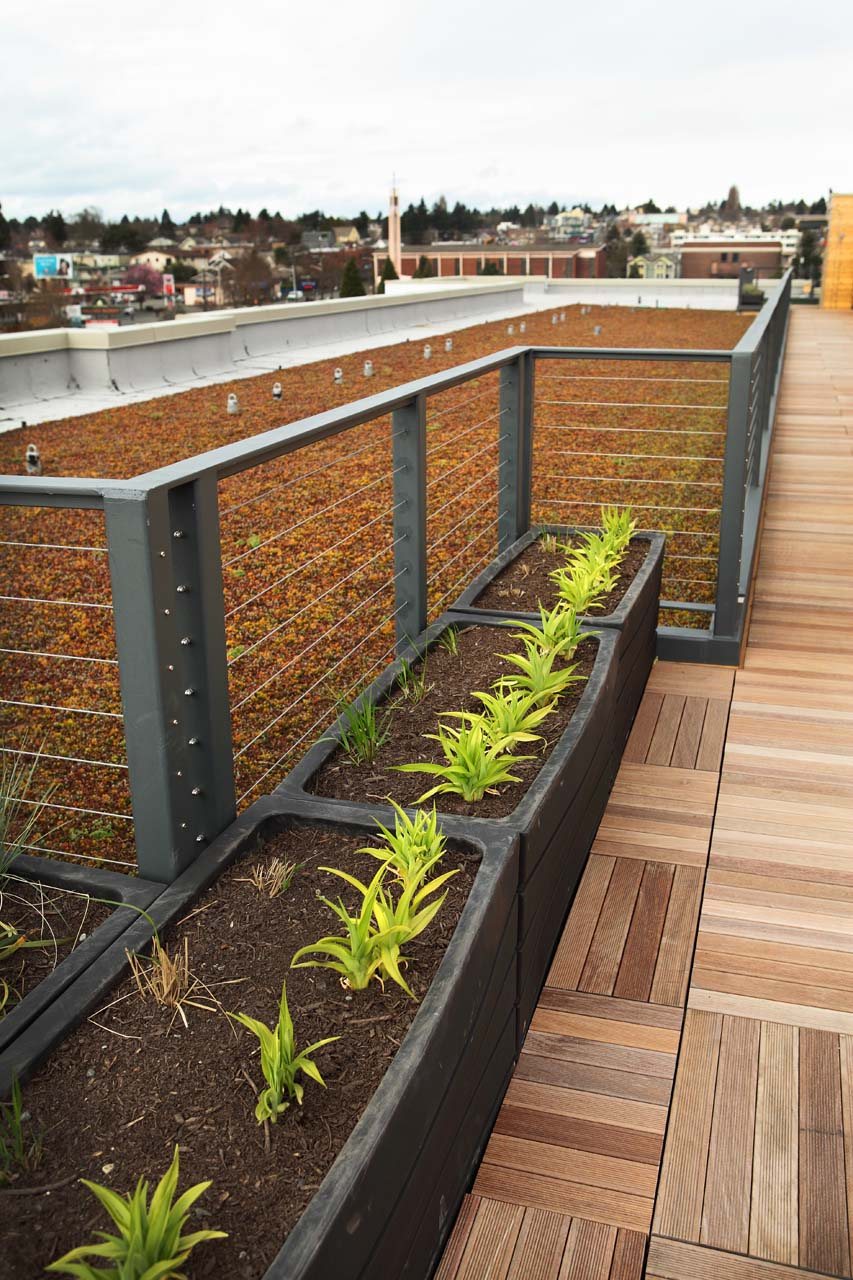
{"x": 280, "y": 1062}
{"x": 538, "y": 677}
{"x": 357, "y": 955}
{"x": 363, "y": 731}
{"x": 17, "y": 1151}
{"x": 449, "y": 641}
{"x": 476, "y": 763}
{"x": 150, "y": 1244}
{"x": 579, "y": 587}
{"x": 19, "y": 818}
{"x": 510, "y": 715}
{"x": 548, "y": 543}
{"x": 618, "y": 524}
{"x": 559, "y": 632}
{"x": 411, "y": 683}
{"x": 400, "y": 921}
{"x": 273, "y": 877}
{"x": 414, "y": 845}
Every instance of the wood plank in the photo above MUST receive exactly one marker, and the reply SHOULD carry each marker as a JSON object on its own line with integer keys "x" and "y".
{"x": 773, "y": 1222}
{"x": 674, "y": 1260}
{"x": 672, "y": 969}
{"x": 662, "y": 744}
{"x": 602, "y": 963}
{"x": 824, "y": 1241}
{"x": 575, "y": 1075}
{"x": 599, "y": 1204}
{"x": 540, "y": 1246}
{"x": 845, "y": 1045}
{"x": 455, "y": 1248}
{"x": 725, "y": 1213}
{"x": 582, "y": 1135}
{"x": 594, "y": 1053}
{"x": 682, "y": 1182}
{"x": 613, "y": 1031}
{"x": 600, "y": 1108}
{"x": 491, "y": 1241}
{"x": 573, "y": 947}
{"x": 589, "y": 1005}
{"x": 589, "y": 1251}
{"x": 628, "y": 1256}
{"x": 639, "y": 956}
{"x": 710, "y": 753}
{"x": 691, "y": 679}
{"x": 689, "y": 735}
{"x": 794, "y": 1015}
{"x": 643, "y": 728}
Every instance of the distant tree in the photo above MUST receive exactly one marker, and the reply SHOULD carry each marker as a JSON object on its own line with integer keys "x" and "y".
{"x": 634, "y": 271}
{"x": 281, "y": 255}
{"x": 423, "y": 271}
{"x": 251, "y": 281}
{"x": 183, "y": 272}
{"x": 264, "y": 215}
{"x": 800, "y": 208}
{"x": 730, "y": 209}
{"x": 387, "y": 273}
{"x": 787, "y": 223}
{"x": 613, "y": 233}
{"x": 490, "y": 269}
{"x": 650, "y": 206}
{"x": 87, "y": 225}
{"x": 167, "y": 226}
{"x": 361, "y": 224}
{"x": 316, "y": 220}
{"x": 810, "y": 262}
{"x": 151, "y": 280}
{"x": 553, "y": 208}
{"x": 414, "y": 223}
{"x": 242, "y": 219}
{"x": 352, "y": 285}
{"x": 55, "y": 228}
{"x": 819, "y": 206}
{"x": 639, "y": 244}
{"x": 118, "y": 237}
{"x": 616, "y": 251}
{"x": 531, "y": 217}
{"x": 5, "y": 232}
{"x": 670, "y": 208}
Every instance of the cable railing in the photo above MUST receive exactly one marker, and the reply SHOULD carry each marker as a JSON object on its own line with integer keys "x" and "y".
{"x": 194, "y": 626}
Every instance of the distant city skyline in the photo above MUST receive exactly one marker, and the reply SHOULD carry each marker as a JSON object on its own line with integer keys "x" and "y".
{"x": 608, "y": 105}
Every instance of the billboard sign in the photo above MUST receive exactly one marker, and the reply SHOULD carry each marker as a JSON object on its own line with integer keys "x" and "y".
{"x": 53, "y": 266}
{"x": 168, "y": 286}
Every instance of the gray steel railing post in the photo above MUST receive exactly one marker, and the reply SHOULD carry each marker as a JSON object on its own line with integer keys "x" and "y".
{"x": 170, "y": 635}
{"x": 734, "y": 484}
{"x": 515, "y": 452}
{"x": 408, "y": 434}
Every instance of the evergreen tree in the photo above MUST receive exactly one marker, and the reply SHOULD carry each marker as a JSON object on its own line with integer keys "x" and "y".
{"x": 387, "y": 273}
{"x": 54, "y": 225}
{"x": 423, "y": 271}
{"x": 167, "y": 226}
{"x": 490, "y": 269}
{"x": 5, "y": 232}
{"x": 553, "y": 208}
{"x": 639, "y": 244}
{"x": 650, "y": 206}
{"x": 351, "y": 282}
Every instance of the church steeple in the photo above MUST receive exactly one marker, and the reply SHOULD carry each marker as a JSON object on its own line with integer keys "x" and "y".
{"x": 394, "y": 241}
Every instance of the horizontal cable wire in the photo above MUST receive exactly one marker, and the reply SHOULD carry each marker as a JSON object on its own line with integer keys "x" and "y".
{"x": 70, "y": 604}
{"x": 601, "y": 377}
{"x": 469, "y": 573}
{"x": 460, "y": 404}
{"x": 704, "y": 484}
{"x": 63, "y": 657}
{"x": 493, "y": 444}
{"x": 334, "y": 627}
{"x": 468, "y": 545}
{"x": 707, "y": 582}
{"x": 327, "y": 716}
{"x": 460, "y": 494}
{"x": 634, "y": 431}
{"x": 305, "y": 475}
{"x": 71, "y": 808}
{"x": 282, "y": 533}
{"x": 316, "y": 600}
{"x": 679, "y": 555}
{"x": 47, "y": 706}
{"x": 302, "y": 567}
{"x": 634, "y": 404}
{"x": 638, "y": 506}
{"x": 53, "y": 546}
{"x": 317, "y": 683}
{"x": 89, "y": 857}
{"x": 657, "y": 457}
{"x": 463, "y": 521}
{"x": 460, "y": 435}
{"x": 44, "y": 755}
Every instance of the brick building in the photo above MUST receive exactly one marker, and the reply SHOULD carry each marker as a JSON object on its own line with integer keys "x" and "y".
{"x": 723, "y": 259}
{"x": 583, "y": 262}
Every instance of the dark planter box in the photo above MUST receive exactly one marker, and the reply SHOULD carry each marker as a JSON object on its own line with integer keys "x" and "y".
{"x": 557, "y": 819}
{"x": 387, "y": 1204}
{"x": 635, "y": 618}
{"x": 130, "y": 897}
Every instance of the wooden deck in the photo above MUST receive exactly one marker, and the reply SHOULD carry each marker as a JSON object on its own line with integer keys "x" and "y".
{"x": 750, "y": 773}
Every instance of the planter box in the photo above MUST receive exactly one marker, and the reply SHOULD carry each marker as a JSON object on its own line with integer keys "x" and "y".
{"x": 130, "y": 896}
{"x": 557, "y": 819}
{"x": 389, "y": 1200}
{"x": 635, "y": 618}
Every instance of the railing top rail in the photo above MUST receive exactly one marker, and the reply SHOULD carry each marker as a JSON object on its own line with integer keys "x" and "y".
{"x": 55, "y": 491}
{"x": 686, "y": 354}
{"x": 753, "y": 335}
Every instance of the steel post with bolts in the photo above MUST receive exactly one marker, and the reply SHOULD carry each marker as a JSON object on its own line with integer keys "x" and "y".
{"x": 170, "y": 636}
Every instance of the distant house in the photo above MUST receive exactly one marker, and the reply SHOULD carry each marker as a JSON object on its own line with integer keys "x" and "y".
{"x": 347, "y": 236}
{"x": 318, "y": 239}
{"x": 655, "y": 266}
{"x": 161, "y": 242}
{"x": 569, "y": 223}
{"x": 155, "y": 258}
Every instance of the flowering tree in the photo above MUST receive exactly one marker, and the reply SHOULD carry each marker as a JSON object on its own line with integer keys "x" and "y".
{"x": 142, "y": 274}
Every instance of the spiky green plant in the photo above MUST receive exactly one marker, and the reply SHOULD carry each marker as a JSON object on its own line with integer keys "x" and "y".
{"x": 150, "y": 1244}
{"x": 362, "y": 731}
{"x": 509, "y": 715}
{"x": 449, "y": 640}
{"x": 356, "y": 955}
{"x": 538, "y": 676}
{"x": 559, "y": 631}
{"x": 412, "y": 683}
{"x": 415, "y": 843}
{"x": 280, "y": 1061}
{"x": 400, "y": 920}
{"x": 20, "y": 812}
{"x": 475, "y": 762}
{"x": 17, "y": 1150}
{"x": 619, "y": 525}
{"x": 580, "y": 586}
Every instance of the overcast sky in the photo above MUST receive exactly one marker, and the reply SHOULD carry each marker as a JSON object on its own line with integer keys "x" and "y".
{"x": 133, "y": 108}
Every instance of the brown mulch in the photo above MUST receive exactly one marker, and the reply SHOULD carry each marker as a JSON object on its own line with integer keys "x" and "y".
{"x": 62, "y": 919}
{"x": 526, "y": 583}
{"x": 112, "y": 1102}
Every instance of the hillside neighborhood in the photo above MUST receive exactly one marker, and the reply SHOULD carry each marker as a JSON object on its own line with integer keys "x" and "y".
{"x": 85, "y": 271}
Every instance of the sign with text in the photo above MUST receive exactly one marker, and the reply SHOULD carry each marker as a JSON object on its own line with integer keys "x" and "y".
{"x": 53, "y": 266}
{"x": 168, "y": 286}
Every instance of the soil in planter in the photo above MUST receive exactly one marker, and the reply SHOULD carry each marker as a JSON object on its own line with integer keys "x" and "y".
{"x": 451, "y": 681}
{"x": 525, "y": 582}
{"x": 39, "y": 911}
{"x": 131, "y": 1082}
